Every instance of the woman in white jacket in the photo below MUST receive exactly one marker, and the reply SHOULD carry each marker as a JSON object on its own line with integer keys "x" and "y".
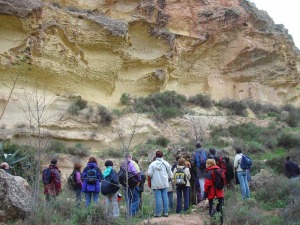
{"x": 160, "y": 172}
{"x": 183, "y": 189}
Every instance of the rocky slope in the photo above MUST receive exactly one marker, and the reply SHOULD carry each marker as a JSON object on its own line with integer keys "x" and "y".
{"x": 99, "y": 49}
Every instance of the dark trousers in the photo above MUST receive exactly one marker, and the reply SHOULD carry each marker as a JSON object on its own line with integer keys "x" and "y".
{"x": 185, "y": 191}
{"x": 212, "y": 212}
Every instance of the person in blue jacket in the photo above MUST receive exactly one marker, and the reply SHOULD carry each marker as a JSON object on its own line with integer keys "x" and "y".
{"x": 91, "y": 177}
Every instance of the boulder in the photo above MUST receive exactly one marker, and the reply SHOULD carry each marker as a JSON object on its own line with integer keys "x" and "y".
{"x": 15, "y": 196}
{"x": 259, "y": 179}
{"x": 19, "y": 8}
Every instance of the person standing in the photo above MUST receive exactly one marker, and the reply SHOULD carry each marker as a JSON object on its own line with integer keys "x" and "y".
{"x": 241, "y": 174}
{"x": 199, "y": 164}
{"x": 291, "y": 168}
{"x": 77, "y": 181}
{"x": 52, "y": 181}
{"x": 229, "y": 174}
{"x": 109, "y": 188}
{"x": 183, "y": 189}
{"x": 160, "y": 172}
{"x": 142, "y": 183}
{"x": 210, "y": 188}
{"x": 131, "y": 191}
{"x": 91, "y": 176}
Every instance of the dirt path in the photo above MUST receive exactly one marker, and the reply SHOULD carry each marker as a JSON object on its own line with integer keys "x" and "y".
{"x": 194, "y": 218}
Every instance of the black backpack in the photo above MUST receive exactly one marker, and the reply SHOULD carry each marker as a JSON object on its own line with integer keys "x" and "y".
{"x": 132, "y": 181}
{"x": 108, "y": 185}
{"x": 71, "y": 182}
{"x": 219, "y": 179}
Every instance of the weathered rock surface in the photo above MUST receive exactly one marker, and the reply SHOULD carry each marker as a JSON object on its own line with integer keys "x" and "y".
{"x": 101, "y": 49}
{"x": 19, "y": 8}
{"x": 15, "y": 195}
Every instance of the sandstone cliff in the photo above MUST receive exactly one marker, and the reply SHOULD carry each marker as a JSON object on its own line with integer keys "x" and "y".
{"x": 100, "y": 49}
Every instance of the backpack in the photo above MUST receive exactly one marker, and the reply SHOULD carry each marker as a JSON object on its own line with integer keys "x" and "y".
{"x": 220, "y": 161}
{"x": 180, "y": 178}
{"x": 71, "y": 182}
{"x": 132, "y": 181}
{"x": 46, "y": 177}
{"x": 219, "y": 179}
{"x": 91, "y": 175}
{"x": 200, "y": 159}
{"x": 246, "y": 162}
{"x": 109, "y": 185}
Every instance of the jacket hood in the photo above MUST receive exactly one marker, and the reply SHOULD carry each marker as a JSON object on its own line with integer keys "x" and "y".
{"x": 92, "y": 165}
{"x": 180, "y": 167}
{"x": 211, "y": 168}
{"x": 160, "y": 165}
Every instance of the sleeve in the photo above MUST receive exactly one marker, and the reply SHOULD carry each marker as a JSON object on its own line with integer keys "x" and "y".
{"x": 83, "y": 175}
{"x": 187, "y": 173}
{"x": 208, "y": 182}
{"x": 99, "y": 175}
{"x": 114, "y": 177}
{"x": 236, "y": 162}
{"x": 150, "y": 170}
{"x": 134, "y": 168}
{"x": 169, "y": 170}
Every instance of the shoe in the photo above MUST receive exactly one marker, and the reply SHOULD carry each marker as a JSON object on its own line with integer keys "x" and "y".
{"x": 157, "y": 215}
{"x": 165, "y": 215}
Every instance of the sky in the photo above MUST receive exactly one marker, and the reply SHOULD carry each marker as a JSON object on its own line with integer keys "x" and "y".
{"x": 285, "y": 12}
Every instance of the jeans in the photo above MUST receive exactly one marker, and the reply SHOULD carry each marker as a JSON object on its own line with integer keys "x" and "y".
{"x": 78, "y": 195}
{"x": 112, "y": 207}
{"x": 242, "y": 176}
{"x": 201, "y": 182}
{"x": 88, "y": 198}
{"x": 186, "y": 197}
{"x": 132, "y": 200}
{"x": 161, "y": 201}
{"x": 170, "y": 197}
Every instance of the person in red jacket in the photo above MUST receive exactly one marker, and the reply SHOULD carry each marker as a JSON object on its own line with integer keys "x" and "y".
{"x": 210, "y": 191}
{"x": 53, "y": 188}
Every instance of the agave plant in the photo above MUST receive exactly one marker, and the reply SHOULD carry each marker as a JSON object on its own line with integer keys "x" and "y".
{"x": 13, "y": 158}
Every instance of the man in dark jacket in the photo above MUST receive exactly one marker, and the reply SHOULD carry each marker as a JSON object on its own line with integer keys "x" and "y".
{"x": 291, "y": 168}
{"x": 53, "y": 188}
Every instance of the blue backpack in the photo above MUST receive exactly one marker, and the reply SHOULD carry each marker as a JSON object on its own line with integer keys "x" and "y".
{"x": 246, "y": 162}
{"x": 200, "y": 159}
{"x": 46, "y": 177}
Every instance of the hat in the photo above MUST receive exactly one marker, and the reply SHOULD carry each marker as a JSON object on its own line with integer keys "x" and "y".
{"x": 159, "y": 154}
{"x": 109, "y": 163}
{"x": 212, "y": 151}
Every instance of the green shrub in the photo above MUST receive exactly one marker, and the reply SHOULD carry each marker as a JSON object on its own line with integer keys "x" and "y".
{"x": 254, "y": 147}
{"x": 113, "y": 152}
{"x": 77, "y": 105}
{"x": 163, "y": 105}
{"x": 125, "y": 99}
{"x": 161, "y": 141}
{"x": 105, "y": 115}
{"x": 78, "y": 150}
{"x": 293, "y": 118}
{"x": 237, "y": 107}
{"x": 201, "y": 100}
{"x": 289, "y": 140}
{"x": 56, "y": 147}
{"x": 275, "y": 193}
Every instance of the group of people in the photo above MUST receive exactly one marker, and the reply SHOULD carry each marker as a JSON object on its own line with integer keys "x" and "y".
{"x": 191, "y": 177}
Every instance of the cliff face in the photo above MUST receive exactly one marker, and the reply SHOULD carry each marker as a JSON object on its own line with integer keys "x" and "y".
{"x": 100, "y": 49}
